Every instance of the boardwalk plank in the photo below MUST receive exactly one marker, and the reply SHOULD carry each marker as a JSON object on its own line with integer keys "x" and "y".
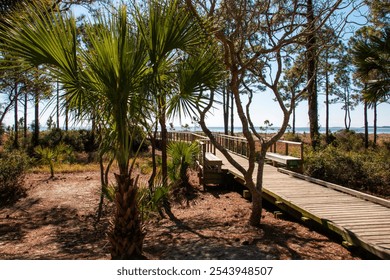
{"x": 360, "y": 221}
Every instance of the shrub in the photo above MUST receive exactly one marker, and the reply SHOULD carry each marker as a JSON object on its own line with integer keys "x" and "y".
{"x": 182, "y": 156}
{"x": 368, "y": 171}
{"x": 348, "y": 140}
{"x": 13, "y": 166}
{"x": 289, "y": 136}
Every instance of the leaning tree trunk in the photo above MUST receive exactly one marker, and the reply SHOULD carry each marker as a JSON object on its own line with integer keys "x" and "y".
{"x": 127, "y": 235}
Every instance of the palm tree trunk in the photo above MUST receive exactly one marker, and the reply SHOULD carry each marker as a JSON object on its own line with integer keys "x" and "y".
{"x": 127, "y": 235}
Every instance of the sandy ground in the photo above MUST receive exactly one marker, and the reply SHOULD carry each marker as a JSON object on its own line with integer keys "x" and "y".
{"x": 56, "y": 221}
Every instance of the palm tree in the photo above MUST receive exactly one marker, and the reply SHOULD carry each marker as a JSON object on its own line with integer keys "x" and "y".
{"x": 171, "y": 34}
{"x": 107, "y": 74}
{"x": 371, "y": 58}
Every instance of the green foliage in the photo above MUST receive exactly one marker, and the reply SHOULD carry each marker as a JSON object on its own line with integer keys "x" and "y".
{"x": 348, "y": 140}
{"x": 13, "y": 166}
{"x": 289, "y": 136}
{"x": 151, "y": 200}
{"x": 182, "y": 156}
{"x": 109, "y": 191}
{"x": 345, "y": 162}
{"x": 79, "y": 140}
{"x": 53, "y": 156}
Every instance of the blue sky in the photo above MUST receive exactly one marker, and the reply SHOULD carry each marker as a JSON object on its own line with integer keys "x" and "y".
{"x": 264, "y": 108}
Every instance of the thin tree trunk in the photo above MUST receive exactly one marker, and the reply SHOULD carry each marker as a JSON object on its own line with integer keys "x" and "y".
{"x": 375, "y": 122}
{"x": 226, "y": 105}
{"x": 293, "y": 122}
{"x": 25, "y": 119}
{"x": 66, "y": 118}
{"x": 58, "y": 104}
{"x": 164, "y": 143}
{"x": 327, "y": 101}
{"x": 232, "y": 116}
{"x": 35, "y": 138}
{"x": 16, "y": 117}
{"x": 154, "y": 161}
{"x": 365, "y": 124}
{"x": 257, "y": 203}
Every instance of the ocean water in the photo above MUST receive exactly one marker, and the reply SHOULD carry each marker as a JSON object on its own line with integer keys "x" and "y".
{"x": 381, "y": 129}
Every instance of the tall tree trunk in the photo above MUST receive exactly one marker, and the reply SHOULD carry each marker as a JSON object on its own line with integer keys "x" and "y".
{"x": 152, "y": 177}
{"x": 164, "y": 143}
{"x": 58, "y": 104}
{"x": 232, "y": 115}
{"x": 365, "y": 124}
{"x": 35, "y": 138}
{"x": 25, "y": 119}
{"x": 375, "y": 121}
{"x": 311, "y": 76}
{"x": 66, "y": 117}
{"x": 293, "y": 110}
{"x": 257, "y": 203}
{"x": 16, "y": 118}
{"x": 226, "y": 105}
{"x": 255, "y": 189}
{"x": 327, "y": 100}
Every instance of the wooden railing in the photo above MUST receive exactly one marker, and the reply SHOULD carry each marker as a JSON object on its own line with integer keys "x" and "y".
{"x": 234, "y": 144}
{"x": 283, "y": 147}
{"x": 205, "y": 144}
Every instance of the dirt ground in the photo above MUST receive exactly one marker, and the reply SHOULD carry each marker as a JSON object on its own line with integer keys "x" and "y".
{"x": 56, "y": 221}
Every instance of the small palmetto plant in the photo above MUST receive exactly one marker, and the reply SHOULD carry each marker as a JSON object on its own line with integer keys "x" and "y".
{"x": 53, "y": 156}
{"x": 182, "y": 156}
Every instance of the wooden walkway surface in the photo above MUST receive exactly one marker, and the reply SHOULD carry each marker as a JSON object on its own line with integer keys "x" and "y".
{"x": 360, "y": 222}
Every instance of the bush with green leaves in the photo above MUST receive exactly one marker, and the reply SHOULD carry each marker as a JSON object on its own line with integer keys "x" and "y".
{"x": 182, "y": 156}
{"x": 13, "y": 166}
{"x": 366, "y": 171}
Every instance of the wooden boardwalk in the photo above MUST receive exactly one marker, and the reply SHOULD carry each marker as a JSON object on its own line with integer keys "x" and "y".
{"x": 359, "y": 221}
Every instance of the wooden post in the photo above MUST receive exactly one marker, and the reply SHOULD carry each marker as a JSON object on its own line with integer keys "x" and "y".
{"x": 286, "y": 150}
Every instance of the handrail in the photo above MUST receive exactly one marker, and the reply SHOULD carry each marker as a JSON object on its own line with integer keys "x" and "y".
{"x": 274, "y": 147}
{"x": 234, "y": 144}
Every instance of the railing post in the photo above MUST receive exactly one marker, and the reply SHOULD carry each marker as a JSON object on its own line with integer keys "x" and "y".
{"x": 286, "y": 151}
